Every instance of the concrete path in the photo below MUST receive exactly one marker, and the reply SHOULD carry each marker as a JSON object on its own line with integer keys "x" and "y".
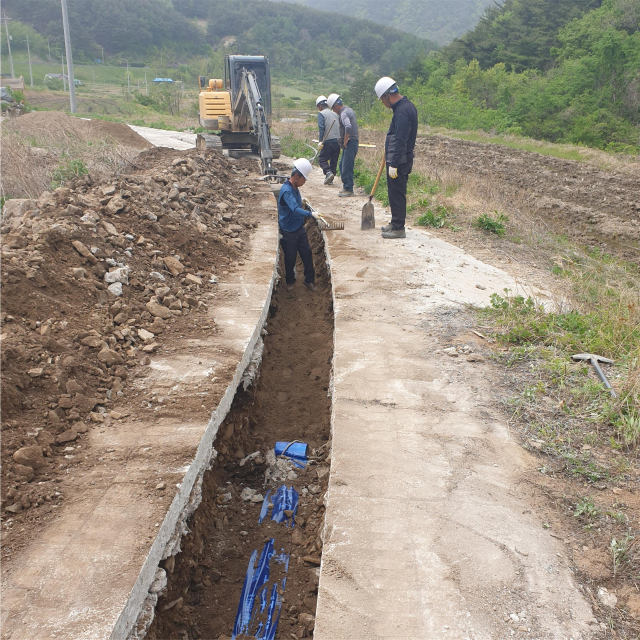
{"x": 428, "y": 532}
{"x": 161, "y": 138}
{"x": 87, "y": 575}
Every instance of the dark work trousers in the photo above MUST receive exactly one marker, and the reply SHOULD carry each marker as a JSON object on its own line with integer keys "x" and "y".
{"x": 328, "y": 158}
{"x": 294, "y": 243}
{"x": 397, "y": 190}
{"x": 347, "y": 161}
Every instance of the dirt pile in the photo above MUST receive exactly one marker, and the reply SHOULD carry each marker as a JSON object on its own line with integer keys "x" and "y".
{"x": 589, "y": 204}
{"x": 95, "y": 277}
{"x": 57, "y": 126}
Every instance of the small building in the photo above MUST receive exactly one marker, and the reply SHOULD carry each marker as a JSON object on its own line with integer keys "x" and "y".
{"x": 158, "y": 80}
{"x": 17, "y": 84}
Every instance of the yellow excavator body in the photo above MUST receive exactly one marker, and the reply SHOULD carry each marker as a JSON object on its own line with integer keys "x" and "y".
{"x": 215, "y": 106}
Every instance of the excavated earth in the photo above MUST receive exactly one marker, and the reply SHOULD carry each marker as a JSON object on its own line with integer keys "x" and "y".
{"x": 96, "y": 277}
{"x": 590, "y": 205}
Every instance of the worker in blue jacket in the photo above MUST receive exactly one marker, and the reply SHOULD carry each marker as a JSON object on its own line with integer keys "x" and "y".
{"x": 291, "y": 218}
{"x": 398, "y": 148}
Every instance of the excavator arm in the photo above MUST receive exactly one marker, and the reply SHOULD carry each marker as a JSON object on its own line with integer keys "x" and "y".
{"x": 249, "y": 102}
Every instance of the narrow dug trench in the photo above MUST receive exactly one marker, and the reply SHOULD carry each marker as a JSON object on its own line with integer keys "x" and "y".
{"x": 289, "y": 401}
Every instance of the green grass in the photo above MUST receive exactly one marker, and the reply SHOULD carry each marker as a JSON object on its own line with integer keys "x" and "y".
{"x": 493, "y": 225}
{"x": 435, "y": 217}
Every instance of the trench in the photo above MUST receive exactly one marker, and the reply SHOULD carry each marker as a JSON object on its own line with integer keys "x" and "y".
{"x": 289, "y": 400}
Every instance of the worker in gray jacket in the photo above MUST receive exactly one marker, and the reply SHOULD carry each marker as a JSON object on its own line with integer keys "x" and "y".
{"x": 348, "y": 142}
{"x": 328, "y": 132}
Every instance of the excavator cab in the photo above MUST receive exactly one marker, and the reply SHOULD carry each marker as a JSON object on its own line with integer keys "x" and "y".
{"x": 233, "y": 66}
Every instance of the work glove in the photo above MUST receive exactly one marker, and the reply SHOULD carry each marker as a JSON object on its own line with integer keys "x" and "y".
{"x": 315, "y": 215}
{"x": 320, "y": 146}
{"x": 306, "y": 204}
{"x": 393, "y": 173}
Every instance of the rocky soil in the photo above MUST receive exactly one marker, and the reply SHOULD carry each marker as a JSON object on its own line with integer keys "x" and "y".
{"x": 96, "y": 276}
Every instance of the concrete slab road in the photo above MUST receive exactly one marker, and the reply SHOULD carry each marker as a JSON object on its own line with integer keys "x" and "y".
{"x": 428, "y": 532}
{"x": 172, "y": 139}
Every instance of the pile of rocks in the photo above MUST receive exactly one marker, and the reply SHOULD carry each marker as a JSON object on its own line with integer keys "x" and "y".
{"x": 93, "y": 276}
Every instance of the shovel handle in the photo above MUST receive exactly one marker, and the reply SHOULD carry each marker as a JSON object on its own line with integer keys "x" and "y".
{"x": 375, "y": 184}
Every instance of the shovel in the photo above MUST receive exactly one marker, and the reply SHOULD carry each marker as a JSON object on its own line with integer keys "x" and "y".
{"x": 368, "y": 214}
{"x": 593, "y": 359}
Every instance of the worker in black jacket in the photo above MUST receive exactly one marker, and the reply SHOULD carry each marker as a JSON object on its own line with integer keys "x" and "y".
{"x": 399, "y": 145}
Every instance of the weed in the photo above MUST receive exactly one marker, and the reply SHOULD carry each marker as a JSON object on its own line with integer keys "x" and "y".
{"x": 620, "y": 552}
{"x": 494, "y": 225}
{"x": 436, "y": 217}
{"x": 628, "y": 427}
{"x": 587, "y": 508}
{"x": 68, "y": 170}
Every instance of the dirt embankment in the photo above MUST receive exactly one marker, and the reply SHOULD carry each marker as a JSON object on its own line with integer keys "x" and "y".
{"x": 590, "y": 205}
{"x": 95, "y": 277}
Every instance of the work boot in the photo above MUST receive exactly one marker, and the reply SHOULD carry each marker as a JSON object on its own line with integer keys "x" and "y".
{"x": 394, "y": 234}
{"x": 311, "y": 286}
{"x": 386, "y": 227}
{"x": 328, "y": 179}
{"x": 346, "y": 194}
{"x": 289, "y": 287}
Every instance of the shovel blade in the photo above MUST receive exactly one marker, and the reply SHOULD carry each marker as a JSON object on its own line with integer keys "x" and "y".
{"x": 368, "y": 217}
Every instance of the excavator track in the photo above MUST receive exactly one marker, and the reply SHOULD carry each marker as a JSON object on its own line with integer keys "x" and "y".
{"x": 207, "y": 141}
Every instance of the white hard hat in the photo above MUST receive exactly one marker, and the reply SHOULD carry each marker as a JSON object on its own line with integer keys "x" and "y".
{"x": 332, "y": 99}
{"x": 320, "y": 100}
{"x": 303, "y": 166}
{"x": 383, "y": 85}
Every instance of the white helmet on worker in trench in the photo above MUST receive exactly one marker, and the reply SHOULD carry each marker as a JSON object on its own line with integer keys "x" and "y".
{"x": 385, "y": 85}
{"x": 303, "y": 166}
{"x": 320, "y": 100}
{"x": 332, "y": 99}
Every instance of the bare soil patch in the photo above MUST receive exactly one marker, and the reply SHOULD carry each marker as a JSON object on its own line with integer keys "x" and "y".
{"x": 288, "y": 402}
{"x": 96, "y": 277}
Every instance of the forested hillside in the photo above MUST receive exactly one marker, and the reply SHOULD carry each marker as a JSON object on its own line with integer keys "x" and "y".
{"x": 437, "y": 20}
{"x": 589, "y": 94}
{"x": 300, "y": 42}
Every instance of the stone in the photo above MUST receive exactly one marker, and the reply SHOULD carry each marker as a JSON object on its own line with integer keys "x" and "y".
{"x": 54, "y": 418}
{"x": 174, "y": 194}
{"x": 83, "y": 250}
{"x": 121, "y": 318}
{"x": 258, "y": 497}
{"x": 115, "y": 289}
{"x": 115, "y": 204}
{"x": 307, "y": 620}
{"x": 109, "y": 357}
{"x": 30, "y": 456}
{"x": 296, "y": 537}
{"x": 174, "y": 265}
{"x": 158, "y": 310}
{"x": 145, "y": 335}
{"x": 96, "y": 417}
{"x": 65, "y": 402}
{"x": 178, "y": 161}
{"x": 120, "y": 274}
{"x": 247, "y": 494}
{"x": 607, "y": 598}
{"x": 79, "y": 273}
{"x": 14, "y": 508}
{"x": 151, "y": 348}
{"x": 170, "y": 563}
{"x": 480, "y": 286}
{"x": 73, "y": 387}
{"x": 67, "y": 436}
{"x": 312, "y": 559}
{"x": 174, "y": 603}
{"x": 156, "y": 275}
{"x": 84, "y": 404}
{"x": 93, "y": 341}
{"x": 161, "y": 486}
{"x": 109, "y": 190}
{"x": 109, "y": 228}
{"x": 24, "y": 472}
{"x": 157, "y": 326}
{"x": 159, "y": 581}
{"x": 90, "y": 217}
{"x": 191, "y": 279}
{"x": 35, "y": 372}
{"x": 475, "y": 357}
{"x": 451, "y": 351}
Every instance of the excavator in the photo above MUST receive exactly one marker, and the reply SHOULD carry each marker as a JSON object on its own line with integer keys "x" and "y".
{"x": 236, "y": 111}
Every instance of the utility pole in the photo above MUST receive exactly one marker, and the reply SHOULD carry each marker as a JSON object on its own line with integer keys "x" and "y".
{"x": 49, "y": 48}
{"x": 146, "y": 86}
{"x": 29, "y": 55}
{"x": 102, "y": 53}
{"x": 6, "y": 27}
{"x": 67, "y": 46}
{"x": 128, "y": 83}
{"x": 64, "y": 82}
